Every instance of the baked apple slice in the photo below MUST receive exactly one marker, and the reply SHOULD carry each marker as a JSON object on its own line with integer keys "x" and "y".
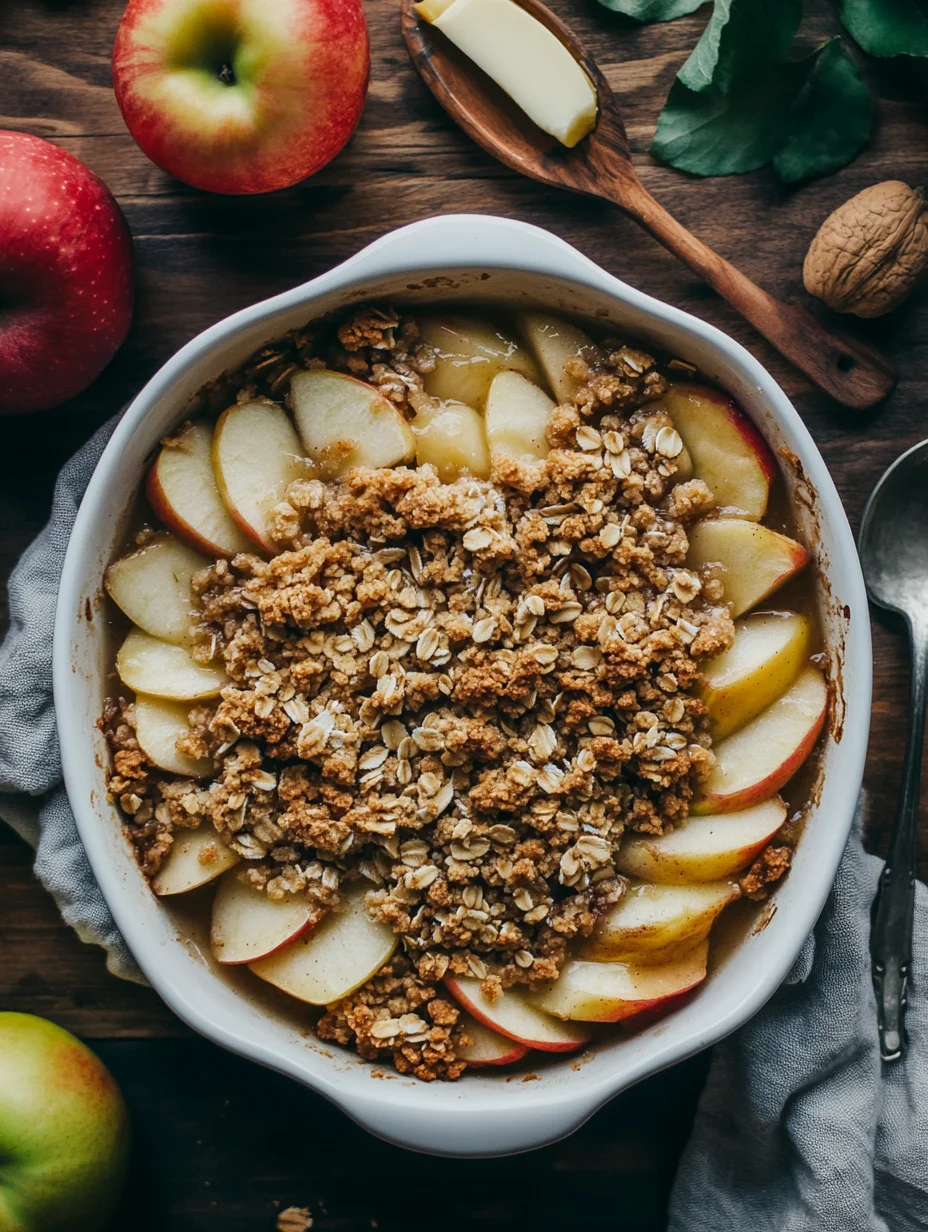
{"x": 755, "y": 560}
{"x": 516, "y": 1016}
{"x": 256, "y": 456}
{"x": 516, "y": 416}
{"x": 148, "y": 665}
{"x": 657, "y": 923}
{"x": 159, "y": 724}
{"x": 182, "y": 491}
{"x": 247, "y": 925}
{"x": 196, "y": 857}
{"x": 335, "y": 957}
{"x": 727, "y": 451}
{"x": 553, "y": 342}
{"x": 344, "y": 423}
{"x": 756, "y": 761}
{"x": 468, "y": 355}
{"x": 610, "y": 991}
{"x": 452, "y": 437}
{"x": 705, "y": 849}
{"x": 152, "y": 587}
{"x": 488, "y": 1047}
{"x": 765, "y": 658}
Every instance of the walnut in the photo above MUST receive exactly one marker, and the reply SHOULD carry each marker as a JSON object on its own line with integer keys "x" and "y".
{"x": 870, "y": 253}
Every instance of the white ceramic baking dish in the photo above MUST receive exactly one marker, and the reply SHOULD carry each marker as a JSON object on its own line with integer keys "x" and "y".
{"x": 457, "y": 258}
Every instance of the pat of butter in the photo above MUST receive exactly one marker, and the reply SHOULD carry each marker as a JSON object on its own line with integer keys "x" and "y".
{"x": 524, "y": 58}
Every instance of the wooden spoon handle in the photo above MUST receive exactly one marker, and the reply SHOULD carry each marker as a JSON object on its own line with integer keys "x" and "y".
{"x": 850, "y": 371}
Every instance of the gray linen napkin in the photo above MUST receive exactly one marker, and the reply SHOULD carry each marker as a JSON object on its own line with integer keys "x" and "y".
{"x": 799, "y": 1128}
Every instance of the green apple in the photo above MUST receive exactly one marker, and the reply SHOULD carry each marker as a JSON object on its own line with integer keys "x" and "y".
{"x": 64, "y": 1131}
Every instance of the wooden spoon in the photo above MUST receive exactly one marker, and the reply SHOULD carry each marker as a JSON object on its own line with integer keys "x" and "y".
{"x": 601, "y": 166}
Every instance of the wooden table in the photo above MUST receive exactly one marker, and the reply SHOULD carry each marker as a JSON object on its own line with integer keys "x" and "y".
{"x": 217, "y": 1137}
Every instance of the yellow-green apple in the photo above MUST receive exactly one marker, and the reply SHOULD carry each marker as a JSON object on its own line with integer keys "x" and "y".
{"x": 517, "y": 416}
{"x": 241, "y": 96}
{"x": 553, "y": 342}
{"x": 256, "y": 456}
{"x": 196, "y": 857}
{"x": 515, "y": 1015}
{"x": 468, "y": 354}
{"x": 182, "y": 491}
{"x": 755, "y": 560}
{"x": 728, "y": 453}
{"x": 64, "y": 1131}
{"x": 704, "y": 848}
{"x": 247, "y": 925}
{"x": 755, "y": 762}
{"x": 344, "y": 422}
{"x": 159, "y": 724}
{"x": 335, "y": 957}
{"x": 610, "y": 991}
{"x": 488, "y": 1047}
{"x": 452, "y": 437}
{"x": 152, "y": 586}
{"x": 762, "y": 662}
{"x": 149, "y": 665}
{"x": 66, "y": 280}
{"x": 657, "y": 923}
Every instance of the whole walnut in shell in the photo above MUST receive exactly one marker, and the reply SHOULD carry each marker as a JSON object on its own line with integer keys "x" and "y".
{"x": 870, "y": 253}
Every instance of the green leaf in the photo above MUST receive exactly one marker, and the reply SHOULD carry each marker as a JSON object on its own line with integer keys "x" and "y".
{"x": 653, "y": 10}
{"x": 808, "y": 117}
{"x": 741, "y": 37}
{"x": 888, "y": 27}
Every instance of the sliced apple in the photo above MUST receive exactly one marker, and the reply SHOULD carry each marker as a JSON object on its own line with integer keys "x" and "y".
{"x": 762, "y": 662}
{"x": 335, "y": 957}
{"x": 684, "y": 469}
{"x": 469, "y": 353}
{"x": 657, "y": 923}
{"x": 152, "y": 586}
{"x": 159, "y": 724}
{"x": 610, "y": 991}
{"x": 488, "y": 1047}
{"x": 246, "y": 925}
{"x": 452, "y": 437}
{"x": 148, "y": 665}
{"x": 196, "y": 857}
{"x": 553, "y": 342}
{"x": 705, "y": 848}
{"x": 514, "y": 1015}
{"x": 182, "y": 491}
{"x": 756, "y": 761}
{"x": 344, "y": 423}
{"x": 729, "y": 455}
{"x": 755, "y": 560}
{"x": 517, "y": 416}
{"x": 256, "y": 456}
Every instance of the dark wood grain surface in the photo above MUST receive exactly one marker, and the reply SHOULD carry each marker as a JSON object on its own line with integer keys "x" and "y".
{"x": 220, "y": 1141}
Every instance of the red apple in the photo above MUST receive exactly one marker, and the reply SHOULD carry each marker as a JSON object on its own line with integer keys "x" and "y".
{"x": 243, "y": 96}
{"x": 66, "y": 279}
{"x": 514, "y": 1015}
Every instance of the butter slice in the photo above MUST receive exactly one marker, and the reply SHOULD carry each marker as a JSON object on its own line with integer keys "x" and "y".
{"x": 524, "y": 58}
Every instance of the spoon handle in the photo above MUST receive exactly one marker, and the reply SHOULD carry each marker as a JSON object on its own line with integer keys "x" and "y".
{"x": 848, "y": 370}
{"x": 894, "y": 904}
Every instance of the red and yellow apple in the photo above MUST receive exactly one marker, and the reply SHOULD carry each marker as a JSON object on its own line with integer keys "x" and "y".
{"x": 241, "y": 96}
{"x": 514, "y": 1015}
{"x": 754, "y": 559}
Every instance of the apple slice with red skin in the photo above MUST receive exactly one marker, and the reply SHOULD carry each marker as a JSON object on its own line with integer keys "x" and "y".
{"x": 488, "y": 1047}
{"x": 345, "y": 423}
{"x": 159, "y": 724}
{"x": 182, "y": 491}
{"x": 334, "y": 958}
{"x": 755, "y": 762}
{"x": 704, "y": 849}
{"x": 729, "y": 454}
{"x": 611, "y": 991}
{"x": 256, "y": 456}
{"x": 657, "y": 923}
{"x": 247, "y": 925}
{"x": 196, "y": 857}
{"x": 152, "y": 587}
{"x": 148, "y": 665}
{"x": 755, "y": 560}
{"x": 514, "y": 1015}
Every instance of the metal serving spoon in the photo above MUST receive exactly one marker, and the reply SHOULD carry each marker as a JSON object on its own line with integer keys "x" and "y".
{"x": 894, "y": 554}
{"x": 601, "y": 166}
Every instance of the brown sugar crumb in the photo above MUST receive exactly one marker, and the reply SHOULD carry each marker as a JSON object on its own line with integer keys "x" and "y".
{"x": 770, "y": 866}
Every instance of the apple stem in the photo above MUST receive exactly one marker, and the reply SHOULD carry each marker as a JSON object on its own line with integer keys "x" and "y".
{"x": 226, "y": 75}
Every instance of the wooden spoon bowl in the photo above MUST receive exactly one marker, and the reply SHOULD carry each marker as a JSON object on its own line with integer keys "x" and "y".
{"x": 601, "y": 166}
